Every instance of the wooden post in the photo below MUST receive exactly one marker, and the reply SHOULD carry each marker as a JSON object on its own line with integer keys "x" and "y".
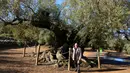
{"x": 69, "y": 59}
{"x": 24, "y": 49}
{"x": 37, "y": 56}
{"x": 98, "y": 57}
{"x": 35, "y": 49}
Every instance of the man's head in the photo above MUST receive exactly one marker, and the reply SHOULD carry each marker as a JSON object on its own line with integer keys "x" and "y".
{"x": 75, "y": 45}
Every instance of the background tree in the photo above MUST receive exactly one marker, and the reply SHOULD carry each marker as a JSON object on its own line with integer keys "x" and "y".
{"x": 97, "y": 19}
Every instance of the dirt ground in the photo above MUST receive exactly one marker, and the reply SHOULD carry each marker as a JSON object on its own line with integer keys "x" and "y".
{"x": 11, "y": 61}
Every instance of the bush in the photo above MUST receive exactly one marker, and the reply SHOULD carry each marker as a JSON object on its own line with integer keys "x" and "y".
{"x": 127, "y": 48}
{"x": 119, "y": 45}
{"x": 116, "y": 44}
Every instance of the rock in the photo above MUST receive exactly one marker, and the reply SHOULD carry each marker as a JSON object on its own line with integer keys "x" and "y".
{"x": 55, "y": 65}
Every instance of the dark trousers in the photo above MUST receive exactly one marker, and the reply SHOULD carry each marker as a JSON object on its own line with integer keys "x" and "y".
{"x": 77, "y": 65}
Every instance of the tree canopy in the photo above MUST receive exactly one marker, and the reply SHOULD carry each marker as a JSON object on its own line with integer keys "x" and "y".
{"x": 88, "y": 22}
{"x": 96, "y": 20}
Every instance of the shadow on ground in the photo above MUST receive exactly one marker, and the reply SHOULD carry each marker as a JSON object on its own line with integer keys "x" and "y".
{"x": 10, "y": 71}
{"x": 7, "y": 53}
{"x": 6, "y": 47}
{"x": 102, "y": 70}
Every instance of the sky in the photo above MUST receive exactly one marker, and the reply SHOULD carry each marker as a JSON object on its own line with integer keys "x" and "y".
{"x": 59, "y": 1}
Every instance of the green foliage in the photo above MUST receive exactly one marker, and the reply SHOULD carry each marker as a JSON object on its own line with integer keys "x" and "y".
{"x": 46, "y": 4}
{"x": 46, "y": 36}
{"x": 5, "y": 31}
{"x": 24, "y": 32}
{"x": 18, "y": 32}
{"x": 111, "y": 43}
{"x": 119, "y": 45}
{"x": 127, "y": 48}
{"x": 1, "y": 28}
{"x": 97, "y": 19}
{"x": 40, "y": 14}
{"x": 4, "y": 7}
{"x": 32, "y": 33}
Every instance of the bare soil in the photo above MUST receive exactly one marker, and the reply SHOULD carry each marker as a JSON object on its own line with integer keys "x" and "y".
{"x": 11, "y": 61}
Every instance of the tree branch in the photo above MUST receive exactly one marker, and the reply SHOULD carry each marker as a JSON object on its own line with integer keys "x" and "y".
{"x": 11, "y": 22}
{"x": 30, "y": 8}
{"x": 5, "y": 21}
{"x": 126, "y": 36}
{"x": 2, "y": 20}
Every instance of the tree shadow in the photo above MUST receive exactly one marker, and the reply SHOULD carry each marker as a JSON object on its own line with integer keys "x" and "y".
{"x": 13, "y": 62}
{"x": 6, "y": 53}
{"x": 10, "y": 71}
{"x": 10, "y": 62}
{"x": 6, "y": 47}
{"x": 14, "y": 46}
{"x": 6, "y": 58}
{"x": 102, "y": 70}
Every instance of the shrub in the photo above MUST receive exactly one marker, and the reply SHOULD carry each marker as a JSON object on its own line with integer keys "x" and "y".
{"x": 127, "y": 48}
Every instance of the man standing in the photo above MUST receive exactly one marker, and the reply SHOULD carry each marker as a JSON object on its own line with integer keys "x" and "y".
{"x": 76, "y": 56}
